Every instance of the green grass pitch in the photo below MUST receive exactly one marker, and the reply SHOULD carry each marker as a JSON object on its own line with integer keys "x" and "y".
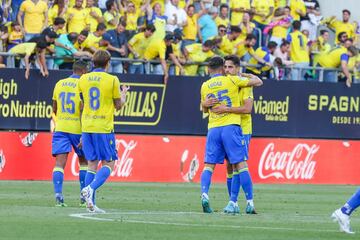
{"x": 171, "y": 211}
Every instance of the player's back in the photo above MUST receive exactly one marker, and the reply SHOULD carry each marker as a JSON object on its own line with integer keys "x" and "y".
{"x": 66, "y": 94}
{"x": 98, "y": 89}
{"x": 226, "y": 90}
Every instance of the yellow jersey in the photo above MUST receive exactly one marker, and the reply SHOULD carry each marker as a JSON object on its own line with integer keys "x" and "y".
{"x": 190, "y": 30}
{"x": 297, "y": 5}
{"x": 298, "y": 47}
{"x": 108, "y": 16}
{"x": 155, "y": 49}
{"x": 78, "y": 21}
{"x": 226, "y": 90}
{"x": 244, "y": 31}
{"x": 279, "y": 32}
{"x": 139, "y": 43}
{"x": 219, "y": 21}
{"x": 53, "y": 13}
{"x": 196, "y": 54}
{"x": 334, "y": 58}
{"x": 90, "y": 20}
{"x": 340, "y": 26}
{"x": 131, "y": 20}
{"x": 262, "y": 7}
{"x": 227, "y": 46}
{"x": 27, "y": 48}
{"x": 246, "y": 121}
{"x": 16, "y": 36}
{"x": 34, "y": 15}
{"x": 263, "y": 53}
{"x": 279, "y": 3}
{"x": 98, "y": 90}
{"x": 91, "y": 41}
{"x": 242, "y": 50}
{"x": 67, "y": 97}
{"x": 237, "y": 17}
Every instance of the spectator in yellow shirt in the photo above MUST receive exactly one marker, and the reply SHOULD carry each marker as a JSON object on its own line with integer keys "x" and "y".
{"x": 92, "y": 43}
{"x": 197, "y": 52}
{"x": 80, "y": 40}
{"x": 137, "y": 46}
{"x": 76, "y": 17}
{"x": 57, "y": 26}
{"x": 342, "y": 26}
{"x": 223, "y": 17}
{"x": 35, "y": 17}
{"x": 94, "y": 15}
{"x": 227, "y": 46}
{"x": 263, "y": 11}
{"x": 112, "y": 15}
{"x": 58, "y": 9}
{"x": 157, "y": 51}
{"x": 246, "y": 26}
{"x": 16, "y": 36}
{"x": 190, "y": 29}
{"x": 156, "y": 17}
{"x": 222, "y": 31}
{"x": 131, "y": 15}
{"x": 299, "y": 52}
{"x": 298, "y": 9}
{"x": 238, "y": 8}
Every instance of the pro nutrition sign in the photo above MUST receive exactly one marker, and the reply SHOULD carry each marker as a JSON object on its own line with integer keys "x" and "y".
{"x": 281, "y": 109}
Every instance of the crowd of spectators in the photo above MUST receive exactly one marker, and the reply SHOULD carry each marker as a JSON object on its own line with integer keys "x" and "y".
{"x": 176, "y": 35}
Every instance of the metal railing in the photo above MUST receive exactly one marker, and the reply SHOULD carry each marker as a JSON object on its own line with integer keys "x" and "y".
{"x": 319, "y": 70}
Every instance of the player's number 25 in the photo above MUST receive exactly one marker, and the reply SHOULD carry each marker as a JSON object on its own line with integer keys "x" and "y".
{"x": 221, "y": 96}
{"x": 94, "y": 94}
{"x": 67, "y": 102}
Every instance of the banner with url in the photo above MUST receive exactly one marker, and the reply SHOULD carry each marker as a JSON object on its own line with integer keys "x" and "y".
{"x": 281, "y": 109}
{"x": 27, "y": 156}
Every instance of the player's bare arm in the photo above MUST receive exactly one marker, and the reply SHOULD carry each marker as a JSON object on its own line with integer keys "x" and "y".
{"x": 245, "y": 109}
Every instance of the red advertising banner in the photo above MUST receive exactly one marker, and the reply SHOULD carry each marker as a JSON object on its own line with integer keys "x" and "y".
{"x": 27, "y": 156}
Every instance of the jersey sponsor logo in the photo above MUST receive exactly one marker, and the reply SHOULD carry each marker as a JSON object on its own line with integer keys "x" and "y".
{"x": 144, "y": 104}
{"x": 2, "y": 160}
{"x": 188, "y": 169}
{"x": 298, "y": 163}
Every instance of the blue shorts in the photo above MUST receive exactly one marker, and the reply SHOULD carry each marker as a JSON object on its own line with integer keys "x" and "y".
{"x": 225, "y": 141}
{"x": 99, "y": 146}
{"x": 247, "y": 138}
{"x": 62, "y": 142}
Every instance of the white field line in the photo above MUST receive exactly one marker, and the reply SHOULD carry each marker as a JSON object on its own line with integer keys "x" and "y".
{"x": 91, "y": 216}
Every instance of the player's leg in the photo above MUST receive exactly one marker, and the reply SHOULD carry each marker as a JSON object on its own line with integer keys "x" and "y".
{"x": 75, "y": 142}
{"x": 229, "y": 175}
{"x": 245, "y": 179}
{"x": 61, "y": 146}
{"x": 214, "y": 154}
{"x": 234, "y": 147}
{"x": 342, "y": 215}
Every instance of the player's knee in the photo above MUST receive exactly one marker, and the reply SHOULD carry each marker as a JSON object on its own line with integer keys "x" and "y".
{"x": 243, "y": 165}
{"x": 82, "y": 161}
{"x": 110, "y": 164}
{"x": 61, "y": 160}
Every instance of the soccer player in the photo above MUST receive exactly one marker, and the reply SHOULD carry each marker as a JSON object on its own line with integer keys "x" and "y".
{"x": 342, "y": 215}
{"x": 232, "y": 67}
{"x": 101, "y": 95}
{"x": 224, "y": 136}
{"x": 66, "y": 107}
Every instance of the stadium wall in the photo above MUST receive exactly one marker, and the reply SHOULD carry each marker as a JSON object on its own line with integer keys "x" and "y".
{"x": 296, "y": 109}
{"x": 27, "y": 156}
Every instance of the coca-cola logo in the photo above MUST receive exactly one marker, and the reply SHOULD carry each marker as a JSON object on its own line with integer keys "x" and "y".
{"x": 28, "y": 139}
{"x": 298, "y": 163}
{"x": 2, "y": 160}
{"x": 123, "y": 166}
{"x": 188, "y": 173}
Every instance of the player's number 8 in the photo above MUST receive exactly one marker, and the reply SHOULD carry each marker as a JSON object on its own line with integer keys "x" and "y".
{"x": 94, "y": 94}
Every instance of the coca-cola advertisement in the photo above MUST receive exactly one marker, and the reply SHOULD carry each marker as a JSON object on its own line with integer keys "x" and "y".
{"x": 27, "y": 156}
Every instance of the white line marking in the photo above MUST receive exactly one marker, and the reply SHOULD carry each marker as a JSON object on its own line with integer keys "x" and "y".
{"x": 91, "y": 216}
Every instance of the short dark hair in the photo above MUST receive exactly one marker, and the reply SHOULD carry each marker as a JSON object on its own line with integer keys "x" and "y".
{"x": 80, "y": 66}
{"x": 150, "y": 28}
{"x": 100, "y": 27}
{"x": 122, "y": 22}
{"x": 72, "y": 36}
{"x": 250, "y": 37}
{"x": 101, "y": 58}
{"x": 297, "y": 25}
{"x": 15, "y": 23}
{"x": 84, "y": 33}
{"x": 191, "y": 5}
{"x": 52, "y": 34}
{"x": 58, "y": 21}
{"x": 224, "y": 6}
{"x": 340, "y": 35}
{"x": 208, "y": 43}
{"x": 221, "y": 26}
{"x": 272, "y": 44}
{"x": 284, "y": 43}
{"x": 346, "y": 11}
{"x": 235, "y": 29}
{"x": 323, "y": 31}
{"x": 216, "y": 62}
{"x": 235, "y": 59}
{"x": 109, "y": 4}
